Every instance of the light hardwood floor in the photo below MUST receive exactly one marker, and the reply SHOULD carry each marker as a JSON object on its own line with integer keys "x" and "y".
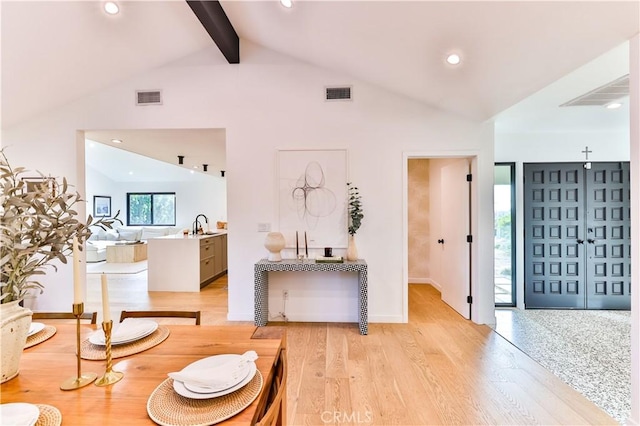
{"x": 437, "y": 369}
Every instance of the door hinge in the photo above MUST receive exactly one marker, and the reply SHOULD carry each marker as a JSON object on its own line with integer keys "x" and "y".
{"x": 469, "y": 177}
{"x": 469, "y": 238}
{"x": 469, "y": 299}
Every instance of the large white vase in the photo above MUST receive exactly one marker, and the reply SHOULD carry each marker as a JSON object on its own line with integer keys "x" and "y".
{"x": 14, "y": 325}
{"x": 274, "y": 243}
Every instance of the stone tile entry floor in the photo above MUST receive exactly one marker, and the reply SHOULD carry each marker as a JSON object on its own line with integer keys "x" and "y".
{"x": 589, "y": 350}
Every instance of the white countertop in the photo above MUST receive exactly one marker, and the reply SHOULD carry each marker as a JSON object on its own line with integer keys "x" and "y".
{"x": 193, "y": 237}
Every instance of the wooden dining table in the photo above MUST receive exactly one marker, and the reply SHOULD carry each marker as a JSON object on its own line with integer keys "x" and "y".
{"x": 44, "y": 367}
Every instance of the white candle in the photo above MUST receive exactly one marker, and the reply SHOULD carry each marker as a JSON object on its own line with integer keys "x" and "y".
{"x": 106, "y": 315}
{"x": 77, "y": 274}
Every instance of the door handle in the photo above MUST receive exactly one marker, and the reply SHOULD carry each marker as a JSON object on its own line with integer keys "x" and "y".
{"x": 580, "y": 241}
{"x": 440, "y": 241}
{"x": 591, "y": 240}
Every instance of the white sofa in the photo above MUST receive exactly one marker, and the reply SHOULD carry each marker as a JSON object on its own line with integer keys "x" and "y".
{"x": 97, "y": 243}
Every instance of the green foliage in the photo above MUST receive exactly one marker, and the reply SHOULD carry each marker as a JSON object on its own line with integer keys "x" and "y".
{"x": 355, "y": 209}
{"x": 37, "y": 223}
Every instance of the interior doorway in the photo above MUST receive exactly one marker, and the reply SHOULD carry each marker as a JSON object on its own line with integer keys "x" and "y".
{"x": 439, "y": 227}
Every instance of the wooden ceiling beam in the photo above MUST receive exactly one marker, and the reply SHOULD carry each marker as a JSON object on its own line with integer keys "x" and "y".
{"x": 217, "y": 24}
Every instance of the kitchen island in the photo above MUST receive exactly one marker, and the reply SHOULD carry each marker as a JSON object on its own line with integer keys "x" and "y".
{"x": 186, "y": 263}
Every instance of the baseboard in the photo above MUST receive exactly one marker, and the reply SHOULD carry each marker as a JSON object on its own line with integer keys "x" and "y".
{"x": 240, "y": 317}
{"x": 436, "y": 285}
{"x": 419, "y": 281}
{"x": 385, "y": 319}
{"x": 322, "y": 318}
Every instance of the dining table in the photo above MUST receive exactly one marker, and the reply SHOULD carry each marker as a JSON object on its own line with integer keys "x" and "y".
{"x": 45, "y": 366}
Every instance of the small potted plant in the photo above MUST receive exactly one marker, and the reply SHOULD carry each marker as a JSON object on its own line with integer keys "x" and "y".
{"x": 38, "y": 225}
{"x": 355, "y": 219}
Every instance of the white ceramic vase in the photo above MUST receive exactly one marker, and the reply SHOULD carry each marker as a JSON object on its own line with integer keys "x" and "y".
{"x": 14, "y": 325}
{"x": 274, "y": 243}
{"x": 352, "y": 250}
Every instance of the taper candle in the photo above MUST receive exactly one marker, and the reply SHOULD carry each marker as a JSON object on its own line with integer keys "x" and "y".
{"x": 306, "y": 247}
{"x": 77, "y": 273}
{"x": 297, "y": 248}
{"x": 106, "y": 315}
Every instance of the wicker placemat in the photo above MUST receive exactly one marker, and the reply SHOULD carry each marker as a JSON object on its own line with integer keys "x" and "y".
{"x": 46, "y": 333}
{"x": 49, "y": 416}
{"x": 95, "y": 352}
{"x": 167, "y": 408}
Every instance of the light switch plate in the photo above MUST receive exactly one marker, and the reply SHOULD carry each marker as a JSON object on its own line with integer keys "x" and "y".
{"x": 264, "y": 227}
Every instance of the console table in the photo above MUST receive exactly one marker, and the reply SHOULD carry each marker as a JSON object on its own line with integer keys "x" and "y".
{"x": 261, "y": 283}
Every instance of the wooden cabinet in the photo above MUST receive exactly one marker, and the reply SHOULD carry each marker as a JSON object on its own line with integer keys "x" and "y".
{"x": 213, "y": 258}
{"x": 208, "y": 261}
{"x": 220, "y": 254}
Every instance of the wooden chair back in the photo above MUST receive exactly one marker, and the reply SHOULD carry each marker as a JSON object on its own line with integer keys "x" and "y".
{"x": 277, "y": 400}
{"x": 92, "y": 316}
{"x": 161, "y": 314}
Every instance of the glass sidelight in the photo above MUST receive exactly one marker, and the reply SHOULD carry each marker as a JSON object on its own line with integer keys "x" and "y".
{"x": 504, "y": 234}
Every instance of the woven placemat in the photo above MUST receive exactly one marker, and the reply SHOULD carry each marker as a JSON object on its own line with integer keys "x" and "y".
{"x": 46, "y": 333}
{"x": 96, "y": 352}
{"x": 49, "y": 416}
{"x": 167, "y": 408}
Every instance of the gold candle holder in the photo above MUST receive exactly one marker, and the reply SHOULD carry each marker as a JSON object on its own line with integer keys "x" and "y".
{"x": 110, "y": 377}
{"x": 81, "y": 379}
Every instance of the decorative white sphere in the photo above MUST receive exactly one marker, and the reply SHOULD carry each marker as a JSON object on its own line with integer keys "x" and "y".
{"x": 274, "y": 243}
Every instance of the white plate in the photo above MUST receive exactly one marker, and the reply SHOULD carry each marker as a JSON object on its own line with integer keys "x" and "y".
{"x": 35, "y": 328}
{"x": 212, "y": 362}
{"x": 149, "y": 327}
{"x": 19, "y": 414}
{"x": 206, "y": 389}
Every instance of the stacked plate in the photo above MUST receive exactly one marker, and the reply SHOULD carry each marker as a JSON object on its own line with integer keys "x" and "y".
{"x": 235, "y": 372}
{"x": 35, "y": 327}
{"x": 19, "y": 414}
{"x": 129, "y": 330}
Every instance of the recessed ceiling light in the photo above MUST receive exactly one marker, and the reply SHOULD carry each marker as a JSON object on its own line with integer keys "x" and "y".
{"x": 613, "y": 105}
{"x": 130, "y": 173}
{"x": 286, "y": 3}
{"x": 111, "y": 8}
{"x": 453, "y": 59}
{"x": 116, "y": 140}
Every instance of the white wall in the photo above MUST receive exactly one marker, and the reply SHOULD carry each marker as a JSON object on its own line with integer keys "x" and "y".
{"x": 266, "y": 103}
{"x": 634, "y": 89}
{"x": 207, "y": 195}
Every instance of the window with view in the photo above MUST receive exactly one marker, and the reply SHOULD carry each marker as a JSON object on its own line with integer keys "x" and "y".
{"x": 151, "y": 208}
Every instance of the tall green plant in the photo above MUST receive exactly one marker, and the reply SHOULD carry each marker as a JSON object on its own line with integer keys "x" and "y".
{"x": 355, "y": 209}
{"x": 37, "y": 223}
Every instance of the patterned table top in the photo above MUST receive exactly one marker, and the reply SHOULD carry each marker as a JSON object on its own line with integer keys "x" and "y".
{"x": 310, "y": 265}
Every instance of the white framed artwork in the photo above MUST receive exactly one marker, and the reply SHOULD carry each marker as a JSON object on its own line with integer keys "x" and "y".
{"x": 312, "y": 197}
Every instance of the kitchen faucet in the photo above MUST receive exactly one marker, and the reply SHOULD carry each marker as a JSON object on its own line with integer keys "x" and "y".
{"x": 196, "y": 223}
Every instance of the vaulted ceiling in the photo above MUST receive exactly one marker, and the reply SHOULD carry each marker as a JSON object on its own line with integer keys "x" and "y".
{"x": 54, "y": 52}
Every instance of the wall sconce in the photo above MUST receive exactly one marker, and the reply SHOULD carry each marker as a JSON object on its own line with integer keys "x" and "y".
{"x": 204, "y": 167}
{"x": 180, "y": 159}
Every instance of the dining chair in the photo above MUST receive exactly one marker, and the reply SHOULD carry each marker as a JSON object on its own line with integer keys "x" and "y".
{"x": 161, "y": 314}
{"x": 92, "y": 316}
{"x": 277, "y": 399}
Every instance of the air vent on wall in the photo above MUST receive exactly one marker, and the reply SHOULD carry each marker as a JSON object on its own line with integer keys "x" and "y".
{"x": 603, "y": 95}
{"x": 342, "y": 93}
{"x": 148, "y": 97}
